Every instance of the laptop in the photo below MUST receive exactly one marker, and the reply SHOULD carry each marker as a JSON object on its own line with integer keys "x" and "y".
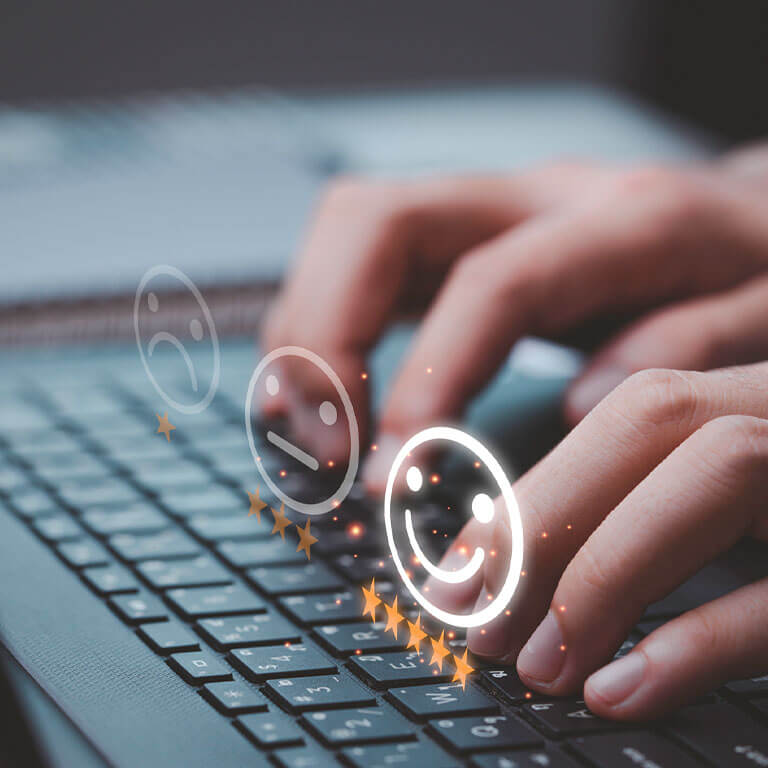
{"x": 165, "y": 619}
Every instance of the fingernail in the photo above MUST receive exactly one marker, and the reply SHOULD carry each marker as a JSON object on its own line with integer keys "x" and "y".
{"x": 619, "y": 679}
{"x": 379, "y": 462}
{"x": 543, "y": 655}
{"x": 588, "y": 391}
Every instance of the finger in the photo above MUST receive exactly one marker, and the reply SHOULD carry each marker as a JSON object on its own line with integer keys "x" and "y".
{"x": 567, "y": 494}
{"x": 697, "y": 503}
{"x": 699, "y": 334}
{"x": 685, "y": 658}
{"x": 556, "y": 270}
{"x": 372, "y": 247}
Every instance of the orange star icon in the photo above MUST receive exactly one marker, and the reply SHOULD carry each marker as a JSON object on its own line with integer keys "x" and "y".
{"x": 439, "y": 651}
{"x": 306, "y": 539}
{"x": 256, "y": 504}
{"x": 393, "y": 617}
{"x": 281, "y": 522}
{"x": 371, "y": 601}
{"x": 164, "y": 426}
{"x": 462, "y": 669}
{"x": 416, "y": 634}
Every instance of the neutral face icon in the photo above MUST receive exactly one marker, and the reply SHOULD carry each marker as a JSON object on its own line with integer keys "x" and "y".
{"x": 201, "y": 329}
{"x": 268, "y": 385}
{"x": 484, "y": 511}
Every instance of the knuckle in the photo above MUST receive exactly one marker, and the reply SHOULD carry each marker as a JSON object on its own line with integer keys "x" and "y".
{"x": 592, "y": 571}
{"x": 656, "y": 397}
{"x": 670, "y": 196}
{"x": 740, "y": 440}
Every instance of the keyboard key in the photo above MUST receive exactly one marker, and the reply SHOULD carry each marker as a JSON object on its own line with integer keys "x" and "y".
{"x": 567, "y": 717}
{"x": 755, "y": 686}
{"x": 214, "y": 601}
{"x": 290, "y": 660}
{"x": 212, "y": 500}
{"x": 345, "y": 727}
{"x": 108, "y": 490}
{"x": 138, "y": 518}
{"x": 272, "y": 551}
{"x": 270, "y": 729}
{"x": 632, "y": 748}
{"x": 169, "y": 637}
{"x": 242, "y": 631}
{"x": 471, "y": 734}
{"x": 413, "y": 754}
{"x": 159, "y": 545}
{"x": 323, "y": 609}
{"x": 363, "y": 569}
{"x": 110, "y": 580}
{"x": 138, "y": 609}
{"x": 219, "y": 528}
{"x": 33, "y": 503}
{"x": 234, "y": 698}
{"x": 385, "y": 670}
{"x": 80, "y": 554}
{"x": 196, "y": 572}
{"x": 57, "y": 528}
{"x": 369, "y": 637}
{"x": 504, "y": 683}
{"x": 198, "y": 667}
{"x": 12, "y": 479}
{"x": 322, "y": 692}
{"x": 71, "y": 466}
{"x": 175, "y": 473}
{"x": 310, "y": 577}
{"x": 422, "y": 702}
{"x": 722, "y": 734}
{"x": 533, "y": 758}
{"x": 304, "y": 757}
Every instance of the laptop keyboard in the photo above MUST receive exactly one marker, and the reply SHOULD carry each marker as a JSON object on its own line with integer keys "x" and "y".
{"x": 159, "y": 532}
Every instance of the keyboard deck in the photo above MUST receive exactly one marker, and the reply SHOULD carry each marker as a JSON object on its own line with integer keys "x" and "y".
{"x": 159, "y": 531}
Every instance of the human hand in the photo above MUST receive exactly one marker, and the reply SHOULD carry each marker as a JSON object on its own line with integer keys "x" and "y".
{"x": 493, "y": 258}
{"x": 667, "y": 472}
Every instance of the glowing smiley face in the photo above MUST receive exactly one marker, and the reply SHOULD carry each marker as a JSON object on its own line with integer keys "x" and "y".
{"x": 269, "y": 385}
{"x": 484, "y": 512}
{"x": 200, "y": 325}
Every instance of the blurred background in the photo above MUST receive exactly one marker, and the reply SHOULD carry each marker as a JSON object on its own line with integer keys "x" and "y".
{"x": 200, "y": 133}
{"x": 705, "y": 62}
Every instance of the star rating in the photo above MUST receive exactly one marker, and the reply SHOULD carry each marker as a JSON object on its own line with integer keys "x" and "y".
{"x": 306, "y": 539}
{"x": 439, "y": 651}
{"x": 416, "y": 634}
{"x": 256, "y": 504}
{"x": 462, "y": 669}
{"x": 393, "y": 617}
{"x": 371, "y": 601}
{"x": 164, "y": 426}
{"x": 281, "y": 522}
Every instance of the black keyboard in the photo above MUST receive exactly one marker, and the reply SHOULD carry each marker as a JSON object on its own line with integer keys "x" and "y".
{"x": 159, "y": 531}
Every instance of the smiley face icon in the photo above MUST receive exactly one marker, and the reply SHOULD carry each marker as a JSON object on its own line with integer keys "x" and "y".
{"x": 202, "y": 331}
{"x": 484, "y": 511}
{"x": 268, "y": 384}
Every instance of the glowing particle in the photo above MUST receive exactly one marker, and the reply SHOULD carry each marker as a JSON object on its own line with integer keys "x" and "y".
{"x": 283, "y": 473}
{"x": 374, "y": 447}
{"x": 562, "y": 609}
{"x": 562, "y": 647}
{"x": 569, "y": 527}
{"x": 544, "y": 535}
{"x": 434, "y": 479}
{"x": 429, "y": 370}
{"x": 331, "y": 463}
{"x": 363, "y": 375}
{"x": 528, "y": 694}
{"x": 355, "y": 530}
